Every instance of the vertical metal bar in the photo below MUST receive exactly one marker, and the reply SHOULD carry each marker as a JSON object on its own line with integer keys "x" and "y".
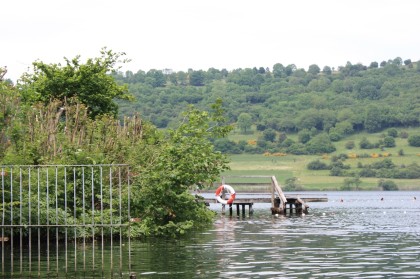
{"x": 93, "y": 219}
{"x": 11, "y": 223}
{"x": 110, "y": 218}
{"x": 20, "y": 223}
{"x": 39, "y": 222}
{"x": 120, "y": 213}
{"x": 102, "y": 217}
{"x": 48, "y": 220}
{"x": 3, "y": 174}
{"x": 84, "y": 221}
{"x": 56, "y": 219}
{"x": 29, "y": 221}
{"x": 129, "y": 218}
{"x": 75, "y": 215}
{"x": 65, "y": 218}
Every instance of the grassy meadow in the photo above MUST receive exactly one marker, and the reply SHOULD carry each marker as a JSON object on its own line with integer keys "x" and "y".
{"x": 287, "y": 166}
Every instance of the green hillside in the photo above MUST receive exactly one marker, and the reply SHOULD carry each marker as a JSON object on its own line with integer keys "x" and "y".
{"x": 289, "y": 165}
{"x": 307, "y": 115}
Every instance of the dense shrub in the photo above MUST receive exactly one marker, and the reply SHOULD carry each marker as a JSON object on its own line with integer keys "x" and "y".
{"x": 392, "y": 132}
{"x": 297, "y": 149}
{"x": 336, "y": 171}
{"x": 291, "y": 184}
{"x": 367, "y": 172}
{"x": 320, "y": 144}
{"x": 414, "y": 140}
{"x": 384, "y": 164}
{"x": 365, "y": 144}
{"x": 389, "y": 141}
{"x": 317, "y": 165}
{"x": 334, "y": 136}
{"x": 387, "y": 185}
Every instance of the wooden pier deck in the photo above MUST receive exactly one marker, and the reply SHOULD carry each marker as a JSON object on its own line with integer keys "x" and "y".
{"x": 295, "y": 203}
{"x": 280, "y": 203}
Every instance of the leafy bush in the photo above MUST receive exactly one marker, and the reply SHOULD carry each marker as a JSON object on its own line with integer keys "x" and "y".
{"x": 389, "y": 141}
{"x": 304, "y": 136}
{"x": 292, "y": 185}
{"x": 392, "y": 132}
{"x": 387, "y": 185}
{"x": 365, "y": 144}
{"x": 367, "y": 172}
{"x": 334, "y": 136}
{"x": 297, "y": 149}
{"x": 384, "y": 164}
{"x": 317, "y": 165}
{"x": 320, "y": 144}
{"x": 414, "y": 140}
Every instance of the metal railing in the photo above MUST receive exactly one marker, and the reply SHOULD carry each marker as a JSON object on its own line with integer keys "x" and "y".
{"x": 65, "y": 220}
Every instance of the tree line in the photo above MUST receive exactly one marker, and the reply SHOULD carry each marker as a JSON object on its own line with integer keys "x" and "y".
{"x": 333, "y": 103}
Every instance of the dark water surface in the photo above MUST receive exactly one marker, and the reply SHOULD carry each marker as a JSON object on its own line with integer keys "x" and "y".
{"x": 361, "y": 237}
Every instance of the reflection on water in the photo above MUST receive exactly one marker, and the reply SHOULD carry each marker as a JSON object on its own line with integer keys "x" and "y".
{"x": 361, "y": 237}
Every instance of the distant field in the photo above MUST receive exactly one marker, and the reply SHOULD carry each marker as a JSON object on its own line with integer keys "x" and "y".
{"x": 295, "y": 166}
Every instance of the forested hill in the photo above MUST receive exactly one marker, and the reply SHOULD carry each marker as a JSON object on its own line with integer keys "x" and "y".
{"x": 286, "y": 99}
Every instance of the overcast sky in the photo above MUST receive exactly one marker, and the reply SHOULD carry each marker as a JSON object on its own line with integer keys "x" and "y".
{"x": 199, "y": 34}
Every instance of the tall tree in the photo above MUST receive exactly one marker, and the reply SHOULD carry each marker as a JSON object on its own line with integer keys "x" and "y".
{"x": 91, "y": 83}
{"x": 197, "y": 78}
{"x": 244, "y": 122}
{"x": 314, "y": 69}
{"x": 327, "y": 70}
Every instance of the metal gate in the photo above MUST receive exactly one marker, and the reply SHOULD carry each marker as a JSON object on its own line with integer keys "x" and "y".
{"x": 65, "y": 221}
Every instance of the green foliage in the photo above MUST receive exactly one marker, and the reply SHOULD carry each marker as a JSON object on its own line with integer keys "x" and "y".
{"x": 89, "y": 82}
{"x": 317, "y": 165}
{"x": 244, "y": 122}
{"x": 414, "y": 140}
{"x": 168, "y": 163}
{"x": 304, "y": 136}
{"x": 389, "y": 141}
{"x": 186, "y": 157}
{"x": 387, "y": 185}
{"x": 392, "y": 132}
{"x": 365, "y": 144}
{"x": 351, "y": 182}
{"x": 369, "y": 99}
{"x": 291, "y": 184}
{"x": 197, "y": 78}
{"x": 269, "y": 135}
{"x": 320, "y": 144}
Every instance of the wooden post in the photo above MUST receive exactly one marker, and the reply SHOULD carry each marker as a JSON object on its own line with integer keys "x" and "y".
{"x": 279, "y": 192}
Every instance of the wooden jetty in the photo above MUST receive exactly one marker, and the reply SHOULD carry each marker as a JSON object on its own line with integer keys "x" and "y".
{"x": 280, "y": 203}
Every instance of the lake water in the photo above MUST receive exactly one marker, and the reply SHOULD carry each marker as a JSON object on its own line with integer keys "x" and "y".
{"x": 360, "y": 237}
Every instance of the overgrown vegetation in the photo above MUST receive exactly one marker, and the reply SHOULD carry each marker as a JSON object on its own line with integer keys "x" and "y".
{"x": 39, "y": 127}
